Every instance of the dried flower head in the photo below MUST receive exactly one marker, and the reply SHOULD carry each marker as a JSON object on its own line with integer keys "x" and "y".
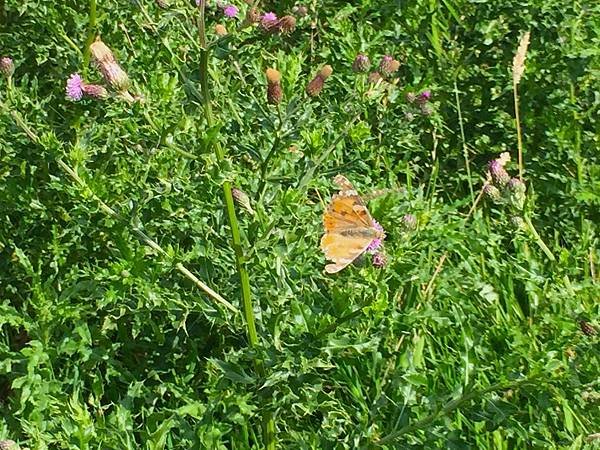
{"x": 220, "y": 30}
{"x": 326, "y": 72}
{"x": 115, "y": 75}
{"x": 286, "y": 24}
{"x": 7, "y": 66}
{"x": 101, "y": 53}
{"x": 274, "y": 91}
{"x": 315, "y": 86}
{"x": 519, "y": 59}
{"x": 361, "y": 63}
{"x": 95, "y": 91}
{"x": 230, "y": 11}
{"x": 394, "y": 65}
{"x": 74, "y": 87}
{"x": 252, "y": 16}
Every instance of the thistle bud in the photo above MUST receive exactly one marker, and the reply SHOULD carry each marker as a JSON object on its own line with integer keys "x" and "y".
{"x": 492, "y": 192}
{"x": 7, "y": 66}
{"x": 517, "y": 190}
{"x": 498, "y": 173}
{"x": 374, "y": 77}
{"x": 95, "y": 91}
{"x": 242, "y": 199}
{"x": 388, "y": 65}
{"x": 361, "y": 63}
{"x": 115, "y": 76}
{"x": 100, "y": 52}
{"x": 8, "y": 445}
{"x": 286, "y": 24}
{"x": 326, "y": 72}
{"x": 274, "y": 91}
{"x": 252, "y": 16}
{"x": 518, "y": 223}
{"x": 220, "y": 30}
{"x": 409, "y": 222}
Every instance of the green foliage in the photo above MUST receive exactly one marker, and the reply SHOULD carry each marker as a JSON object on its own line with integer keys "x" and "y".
{"x": 469, "y": 337}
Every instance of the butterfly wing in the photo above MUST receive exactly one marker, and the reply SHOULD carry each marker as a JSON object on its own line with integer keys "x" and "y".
{"x": 349, "y": 227}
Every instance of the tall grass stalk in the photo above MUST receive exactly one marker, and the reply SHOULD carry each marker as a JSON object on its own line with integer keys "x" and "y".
{"x": 463, "y": 140}
{"x": 92, "y": 31}
{"x": 517, "y": 72}
{"x": 268, "y": 421}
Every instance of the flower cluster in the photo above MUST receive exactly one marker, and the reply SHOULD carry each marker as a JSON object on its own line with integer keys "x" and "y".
{"x": 388, "y": 66}
{"x": 270, "y": 23}
{"x": 504, "y": 190}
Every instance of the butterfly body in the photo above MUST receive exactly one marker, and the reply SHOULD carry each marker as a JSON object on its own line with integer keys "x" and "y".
{"x": 349, "y": 228}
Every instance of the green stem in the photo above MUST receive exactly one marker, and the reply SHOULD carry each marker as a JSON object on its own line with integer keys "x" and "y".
{"x": 541, "y": 244}
{"x": 518, "y": 125}
{"x": 464, "y": 143}
{"x": 268, "y": 422}
{"x": 92, "y": 31}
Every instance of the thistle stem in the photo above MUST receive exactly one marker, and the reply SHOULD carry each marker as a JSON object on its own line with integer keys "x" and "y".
{"x": 538, "y": 240}
{"x": 268, "y": 422}
{"x": 92, "y": 30}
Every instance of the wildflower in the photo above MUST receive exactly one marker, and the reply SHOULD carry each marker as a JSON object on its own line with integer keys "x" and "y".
{"x": 7, "y": 66}
{"x": 274, "y": 91}
{"x": 75, "y": 87}
{"x": 268, "y": 21}
{"x": 374, "y": 77}
{"x": 424, "y": 96}
{"x": 377, "y": 242}
{"x": 492, "y": 192}
{"x": 242, "y": 199}
{"x": 220, "y": 30}
{"x": 95, "y": 91}
{"x": 409, "y": 222}
{"x": 230, "y": 11}
{"x": 379, "y": 260}
{"x": 411, "y": 97}
{"x": 498, "y": 173}
{"x": 388, "y": 65}
{"x": 361, "y": 63}
{"x": 286, "y": 24}
{"x": 315, "y": 86}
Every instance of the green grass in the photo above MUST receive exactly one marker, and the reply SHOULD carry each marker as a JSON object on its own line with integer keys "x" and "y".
{"x": 116, "y": 219}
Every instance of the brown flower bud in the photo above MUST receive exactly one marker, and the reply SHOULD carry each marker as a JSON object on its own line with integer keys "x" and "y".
{"x": 374, "y": 77}
{"x": 220, "y": 30}
{"x": 100, "y": 52}
{"x": 273, "y": 76}
{"x": 95, "y": 90}
{"x": 252, "y": 16}
{"x": 315, "y": 86}
{"x": 325, "y": 72}
{"x": 274, "y": 91}
{"x": 286, "y": 24}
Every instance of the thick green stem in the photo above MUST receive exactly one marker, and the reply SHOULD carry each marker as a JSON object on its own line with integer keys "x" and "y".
{"x": 92, "y": 31}
{"x": 538, "y": 240}
{"x": 236, "y": 241}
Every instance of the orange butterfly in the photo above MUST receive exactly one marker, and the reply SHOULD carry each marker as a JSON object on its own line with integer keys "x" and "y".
{"x": 349, "y": 228}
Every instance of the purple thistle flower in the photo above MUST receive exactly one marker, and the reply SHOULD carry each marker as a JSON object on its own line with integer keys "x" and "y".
{"x": 379, "y": 260}
{"x": 75, "y": 87}
{"x": 268, "y": 18}
{"x": 377, "y": 242}
{"x": 424, "y": 96}
{"x": 230, "y": 11}
{"x": 498, "y": 173}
